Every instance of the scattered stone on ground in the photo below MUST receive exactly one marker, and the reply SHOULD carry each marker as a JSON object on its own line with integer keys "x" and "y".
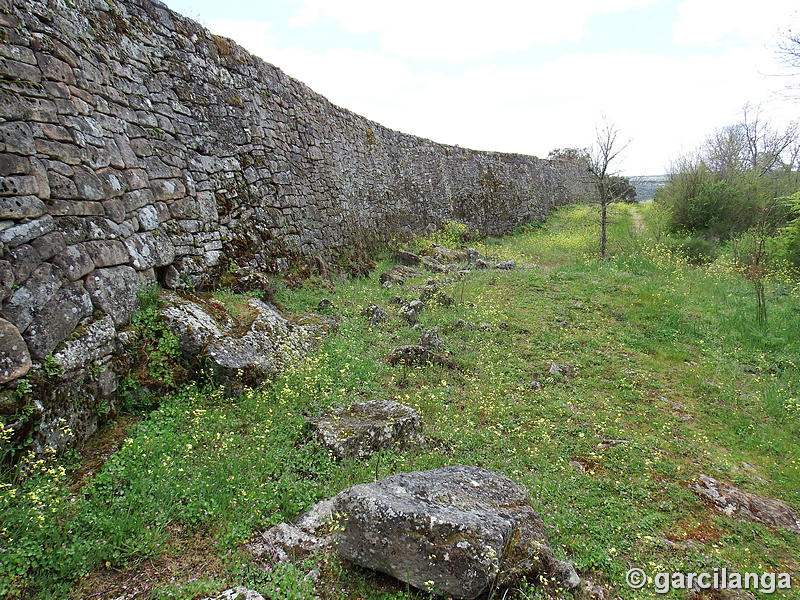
{"x": 608, "y": 443}
{"x": 561, "y": 370}
{"x": 506, "y": 265}
{"x": 238, "y": 593}
{"x": 473, "y": 255}
{"x": 432, "y": 264}
{"x": 445, "y": 255}
{"x": 721, "y": 594}
{"x": 593, "y": 590}
{"x": 256, "y": 344}
{"x": 407, "y": 258}
{"x": 577, "y": 466}
{"x": 412, "y": 354}
{"x": 735, "y": 502}
{"x": 360, "y": 430}
{"x": 457, "y": 531}
{"x": 324, "y": 304}
{"x": 375, "y": 313}
{"x": 311, "y": 533}
{"x": 429, "y": 338}
{"x": 410, "y": 312}
{"x": 433, "y": 293}
{"x": 749, "y": 470}
{"x": 481, "y": 264}
{"x": 399, "y": 274}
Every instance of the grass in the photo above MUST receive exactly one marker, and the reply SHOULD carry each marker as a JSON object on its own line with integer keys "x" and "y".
{"x": 665, "y": 358}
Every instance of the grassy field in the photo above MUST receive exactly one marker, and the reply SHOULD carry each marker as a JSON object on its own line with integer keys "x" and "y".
{"x": 669, "y": 377}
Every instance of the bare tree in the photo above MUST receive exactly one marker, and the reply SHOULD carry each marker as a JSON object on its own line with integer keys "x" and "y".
{"x": 724, "y": 150}
{"x": 606, "y": 148}
{"x": 764, "y": 145}
{"x": 789, "y": 50}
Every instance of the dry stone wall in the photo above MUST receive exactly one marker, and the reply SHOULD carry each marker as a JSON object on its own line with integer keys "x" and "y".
{"x": 137, "y": 147}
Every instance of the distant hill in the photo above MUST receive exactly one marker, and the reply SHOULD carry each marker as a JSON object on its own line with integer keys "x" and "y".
{"x": 646, "y": 185}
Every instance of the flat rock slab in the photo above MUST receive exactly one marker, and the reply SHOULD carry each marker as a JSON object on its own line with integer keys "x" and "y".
{"x": 456, "y": 531}
{"x": 362, "y": 429}
{"x": 735, "y": 502}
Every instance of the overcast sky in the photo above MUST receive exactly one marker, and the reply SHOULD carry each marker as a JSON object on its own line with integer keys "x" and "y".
{"x": 528, "y": 76}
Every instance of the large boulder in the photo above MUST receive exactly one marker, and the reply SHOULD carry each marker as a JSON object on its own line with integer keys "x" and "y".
{"x": 362, "y": 429}
{"x": 255, "y": 344}
{"x": 735, "y": 502}
{"x": 457, "y": 531}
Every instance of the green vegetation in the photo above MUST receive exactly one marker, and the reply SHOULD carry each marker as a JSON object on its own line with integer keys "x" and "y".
{"x": 670, "y": 377}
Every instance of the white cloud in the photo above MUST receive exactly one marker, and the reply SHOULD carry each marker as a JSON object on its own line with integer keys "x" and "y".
{"x": 666, "y": 105}
{"x": 733, "y": 21}
{"x": 461, "y": 30}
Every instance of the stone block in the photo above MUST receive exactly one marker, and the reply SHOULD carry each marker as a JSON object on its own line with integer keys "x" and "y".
{"x": 150, "y": 249}
{"x": 113, "y": 291}
{"x": 105, "y": 253}
{"x": 50, "y": 244}
{"x": 33, "y": 295}
{"x": 15, "y": 361}
{"x": 74, "y": 262}
{"x": 21, "y": 207}
{"x": 25, "y": 232}
{"x": 18, "y": 185}
{"x": 57, "y": 319}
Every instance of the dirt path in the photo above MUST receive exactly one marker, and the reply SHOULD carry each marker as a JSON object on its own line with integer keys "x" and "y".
{"x": 638, "y": 221}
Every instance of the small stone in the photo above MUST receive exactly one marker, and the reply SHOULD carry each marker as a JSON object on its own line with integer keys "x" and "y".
{"x": 505, "y": 266}
{"x": 560, "y": 370}
{"x": 410, "y": 312}
{"x": 429, "y": 338}
{"x": 238, "y": 593}
{"x": 406, "y": 258}
{"x": 375, "y": 313}
{"x": 577, "y": 466}
{"x": 399, "y": 274}
{"x": 411, "y": 355}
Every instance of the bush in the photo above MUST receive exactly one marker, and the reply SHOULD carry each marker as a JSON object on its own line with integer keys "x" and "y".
{"x": 697, "y": 249}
